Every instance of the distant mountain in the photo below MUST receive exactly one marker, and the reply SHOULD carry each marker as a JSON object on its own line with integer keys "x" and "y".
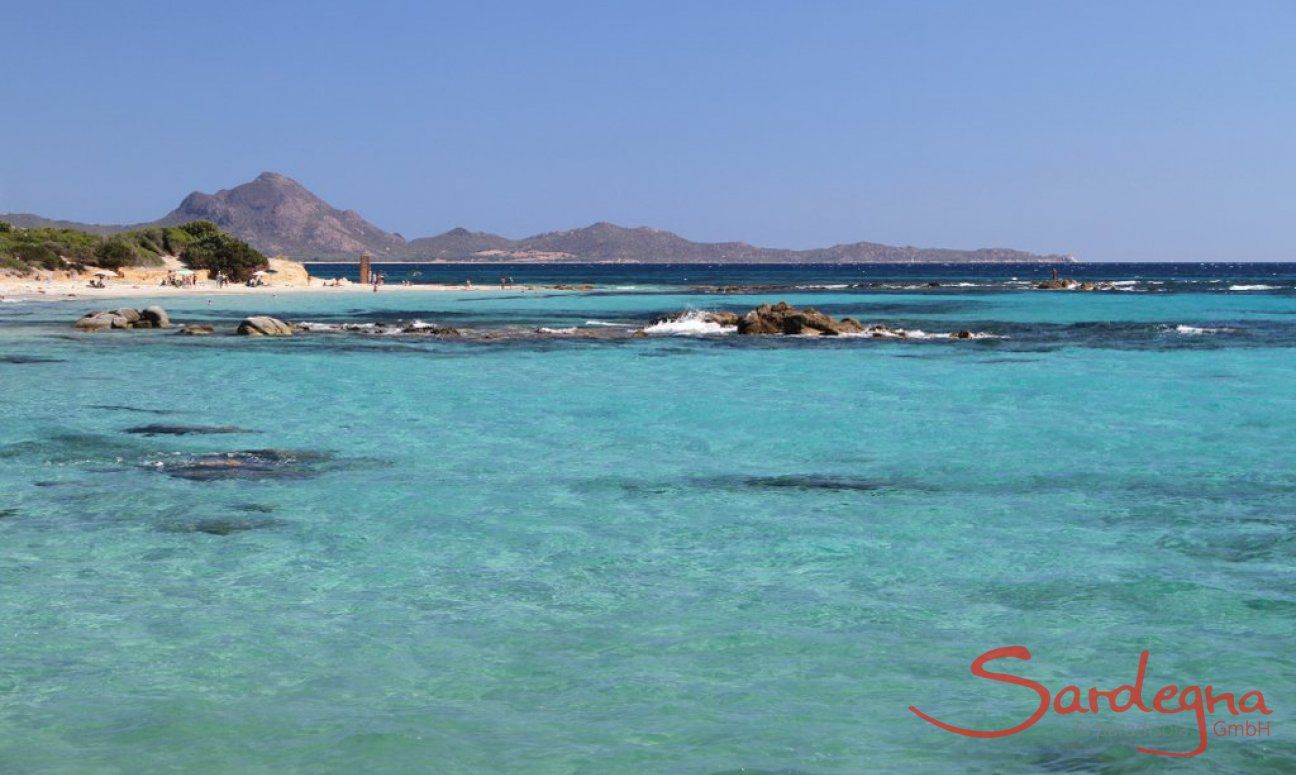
{"x": 609, "y": 242}
{"x": 277, "y": 215}
{"x": 29, "y": 221}
{"x": 455, "y": 244}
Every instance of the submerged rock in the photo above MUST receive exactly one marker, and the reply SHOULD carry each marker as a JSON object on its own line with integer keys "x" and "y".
{"x": 244, "y": 464}
{"x": 196, "y": 329}
{"x": 224, "y": 526}
{"x": 24, "y": 359}
{"x": 812, "y": 483}
{"x": 1068, "y": 284}
{"x": 160, "y": 429}
{"x": 136, "y": 409}
{"x": 430, "y": 329}
{"x": 263, "y": 325}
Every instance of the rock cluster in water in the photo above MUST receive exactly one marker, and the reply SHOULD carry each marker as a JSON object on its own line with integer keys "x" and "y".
{"x": 783, "y": 318}
{"x": 1069, "y": 284}
{"x": 124, "y": 318}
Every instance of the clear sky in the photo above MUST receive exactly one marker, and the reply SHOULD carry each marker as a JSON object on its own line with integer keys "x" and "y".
{"x": 1131, "y": 130}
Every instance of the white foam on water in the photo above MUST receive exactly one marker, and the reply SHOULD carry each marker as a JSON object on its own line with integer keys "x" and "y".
{"x": 548, "y": 330}
{"x": 603, "y": 323}
{"x": 692, "y": 323}
{"x": 1200, "y": 331}
{"x": 1253, "y": 287}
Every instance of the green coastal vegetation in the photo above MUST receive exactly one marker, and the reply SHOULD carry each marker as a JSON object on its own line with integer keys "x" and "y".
{"x": 200, "y": 244}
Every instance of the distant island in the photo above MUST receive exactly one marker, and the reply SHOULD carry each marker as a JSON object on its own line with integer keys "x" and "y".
{"x": 277, "y": 215}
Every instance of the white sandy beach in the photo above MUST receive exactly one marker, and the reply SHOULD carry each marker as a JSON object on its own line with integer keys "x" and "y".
{"x": 55, "y": 290}
{"x": 289, "y": 277}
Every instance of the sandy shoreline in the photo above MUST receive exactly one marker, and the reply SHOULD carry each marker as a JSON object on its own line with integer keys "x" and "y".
{"x": 62, "y": 290}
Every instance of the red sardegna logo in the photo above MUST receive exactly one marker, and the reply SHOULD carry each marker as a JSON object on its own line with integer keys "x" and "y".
{"x": 1168, "y": 700}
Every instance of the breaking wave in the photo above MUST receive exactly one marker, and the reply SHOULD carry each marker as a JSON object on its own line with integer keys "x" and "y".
{"x": 691, "y": 323}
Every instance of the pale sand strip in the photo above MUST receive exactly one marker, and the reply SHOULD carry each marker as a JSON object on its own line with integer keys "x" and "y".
{"x": 20, "y": 289}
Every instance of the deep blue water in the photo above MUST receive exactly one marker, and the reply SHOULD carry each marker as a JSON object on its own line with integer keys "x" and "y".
{"x": 668, "y": 554}
{"x": 1186, "y": 276}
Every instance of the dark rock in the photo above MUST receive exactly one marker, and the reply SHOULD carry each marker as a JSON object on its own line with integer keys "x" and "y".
{"x": 964, "y": 334}
{"x": 429, "y": 329}
{"x": 132, "y": 315}
{"x": 850, "y": 326}
{"x": 783, "y": 318}
{"x": 262, "y": 325}
{"x": 156, "y": 316}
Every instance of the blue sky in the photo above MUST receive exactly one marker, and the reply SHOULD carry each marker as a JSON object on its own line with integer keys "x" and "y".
{"x": 1112, "y": 130}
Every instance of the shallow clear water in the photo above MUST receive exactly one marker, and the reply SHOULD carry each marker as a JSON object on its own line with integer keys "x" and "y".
{"x": 644, "y": 555}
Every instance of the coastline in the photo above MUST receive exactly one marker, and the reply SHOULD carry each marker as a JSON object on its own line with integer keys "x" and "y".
{"x": 61, "y": 290}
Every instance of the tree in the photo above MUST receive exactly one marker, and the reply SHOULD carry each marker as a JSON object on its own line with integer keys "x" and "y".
{"x": 114, "y": 253}
{"x": 219, "y": 252}
{"x": 5, "y": 227}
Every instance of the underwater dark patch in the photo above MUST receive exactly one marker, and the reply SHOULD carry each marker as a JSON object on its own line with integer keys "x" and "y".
{"x": 254, "y": 508}
{"x": 830, "y": 483}
{"x": 254, "y": 464}
{"x": 136, "y": 409}
{"x": 1270, "y": 606}
{"x": 22, "y": 359}
{"x": 8, "y": 513}
{"x": 158, "y": 429}
{"x": 223, "y": 526}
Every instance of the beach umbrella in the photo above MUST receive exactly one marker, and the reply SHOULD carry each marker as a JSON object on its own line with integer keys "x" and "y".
{"x": 270, "y": 271}
{"x": 258, "y": 273}
{"x": 103, "y": 274}
{"x": 184, "y": 272}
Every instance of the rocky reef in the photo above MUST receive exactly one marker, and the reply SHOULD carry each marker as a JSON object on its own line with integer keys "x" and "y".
{"x": 1056, "y": 283}
{"x": 782, "y": 319}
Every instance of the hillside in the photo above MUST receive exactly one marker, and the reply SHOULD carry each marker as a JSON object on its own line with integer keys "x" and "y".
{"x": 277, "y": 215}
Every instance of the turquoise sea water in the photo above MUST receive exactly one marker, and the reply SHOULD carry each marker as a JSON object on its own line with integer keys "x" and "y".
{"x": 661, "y": 555}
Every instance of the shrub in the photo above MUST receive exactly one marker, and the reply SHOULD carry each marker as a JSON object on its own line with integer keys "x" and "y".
{"x": 38, "y": 256}
{"x": 199, "y": 228}
{"x": 114, "y": 253}
{"x": 219, "y": 252}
